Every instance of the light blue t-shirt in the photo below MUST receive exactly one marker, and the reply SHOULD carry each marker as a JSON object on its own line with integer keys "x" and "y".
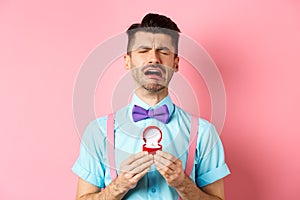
{"x": 209, "y": 162}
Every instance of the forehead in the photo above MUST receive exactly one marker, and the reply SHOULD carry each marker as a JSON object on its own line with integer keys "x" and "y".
{"x": 152, "y": 40}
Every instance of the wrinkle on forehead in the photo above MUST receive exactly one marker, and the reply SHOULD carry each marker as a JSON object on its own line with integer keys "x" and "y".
{"x": 152, "y": 40}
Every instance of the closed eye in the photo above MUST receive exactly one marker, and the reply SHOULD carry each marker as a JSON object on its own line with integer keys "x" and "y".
{"x": 143, "y": 50}
{"x": 164, "y": 50}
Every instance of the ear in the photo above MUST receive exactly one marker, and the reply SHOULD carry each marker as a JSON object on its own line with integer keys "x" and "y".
{"x": 176, "y": 64}
{"x": 127, "y": 62}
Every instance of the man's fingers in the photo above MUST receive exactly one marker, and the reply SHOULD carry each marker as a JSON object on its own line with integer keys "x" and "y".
{"x": 141, "y": 167}
{"x": 159, "y": 166}
{"x": 134, "y": 157}
{"x": 166, "y": 155}
{"x": 137, "y": 177}
{"x": 137, "y": 163}
{"x": 164, "y": 162}
{"x": 163, "y": 170}
{"x": 142, "y": 160}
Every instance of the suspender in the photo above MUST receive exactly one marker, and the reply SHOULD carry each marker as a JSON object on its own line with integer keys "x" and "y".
{"x": 192, "y": 146}
{"x": 110, "y": 145}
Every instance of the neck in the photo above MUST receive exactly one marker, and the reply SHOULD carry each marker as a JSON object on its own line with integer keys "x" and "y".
{"x": 151, "y": 98}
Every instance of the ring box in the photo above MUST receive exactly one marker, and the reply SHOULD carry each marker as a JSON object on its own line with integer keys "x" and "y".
{"x": 152, "y": 135}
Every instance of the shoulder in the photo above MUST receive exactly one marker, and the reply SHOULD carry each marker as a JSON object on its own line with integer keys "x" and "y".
{"x": 203, "y": 123}
{"x": 98, "y": 125}
{"x": 95, "y": 131}
{"x": 205, "y": 128}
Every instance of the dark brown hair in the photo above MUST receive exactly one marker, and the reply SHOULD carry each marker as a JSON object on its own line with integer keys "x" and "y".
{"x": 154, "y": 23}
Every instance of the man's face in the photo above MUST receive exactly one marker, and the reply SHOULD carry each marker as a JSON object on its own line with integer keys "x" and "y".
{"x": 152, "y": 60}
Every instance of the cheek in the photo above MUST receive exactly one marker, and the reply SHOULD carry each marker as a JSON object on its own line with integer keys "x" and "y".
{"x": 169, "y": 73}
{"x": 139, "y": 59}
{"x": 168, "y": 62}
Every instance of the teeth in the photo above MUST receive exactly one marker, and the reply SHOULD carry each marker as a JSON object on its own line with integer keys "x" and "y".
{"x": 153, "y": 72}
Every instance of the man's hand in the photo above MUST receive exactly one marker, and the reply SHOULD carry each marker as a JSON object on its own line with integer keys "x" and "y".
{"x": 169, "y": 167}
{"x": 132, "y": 170}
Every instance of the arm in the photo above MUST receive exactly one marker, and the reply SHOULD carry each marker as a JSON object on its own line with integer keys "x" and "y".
{"x": 213, "y": 191}
{"x": 131, "y": 171}
{"x": 170, "y": 168}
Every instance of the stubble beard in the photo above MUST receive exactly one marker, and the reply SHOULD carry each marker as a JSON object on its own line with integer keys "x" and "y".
{"x": 153, "y": 87}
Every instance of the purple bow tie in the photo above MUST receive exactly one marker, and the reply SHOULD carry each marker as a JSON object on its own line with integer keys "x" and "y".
{"x": 161, "y": 113}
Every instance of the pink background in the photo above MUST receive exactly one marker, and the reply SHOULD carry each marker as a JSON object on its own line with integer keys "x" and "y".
{"x": 254, "y": 43}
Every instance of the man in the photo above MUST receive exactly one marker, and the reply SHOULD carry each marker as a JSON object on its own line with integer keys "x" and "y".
{"x": 152, "y": 58}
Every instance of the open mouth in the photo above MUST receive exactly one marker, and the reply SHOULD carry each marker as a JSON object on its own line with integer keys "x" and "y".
{"x": 155, "y": 72}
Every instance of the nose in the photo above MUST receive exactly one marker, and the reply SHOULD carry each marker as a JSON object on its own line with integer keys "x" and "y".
{"x": 154, "y": 57}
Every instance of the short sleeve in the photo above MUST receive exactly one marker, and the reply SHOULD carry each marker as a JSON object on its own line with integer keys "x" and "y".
{"x": 210, "y": 159}
{"x": 89, "y": 164}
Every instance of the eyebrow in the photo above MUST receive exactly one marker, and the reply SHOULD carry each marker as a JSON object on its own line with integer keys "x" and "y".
{"x": 158, "y": 48}
{"x": 163, "y": 48}
{"x": 143, "y": 47}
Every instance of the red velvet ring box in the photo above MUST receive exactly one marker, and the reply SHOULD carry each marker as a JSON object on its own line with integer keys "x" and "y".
{"x": 152, "y": 135}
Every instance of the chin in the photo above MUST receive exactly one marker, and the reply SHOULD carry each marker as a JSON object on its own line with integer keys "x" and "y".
{"x": 153, "y": 87}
